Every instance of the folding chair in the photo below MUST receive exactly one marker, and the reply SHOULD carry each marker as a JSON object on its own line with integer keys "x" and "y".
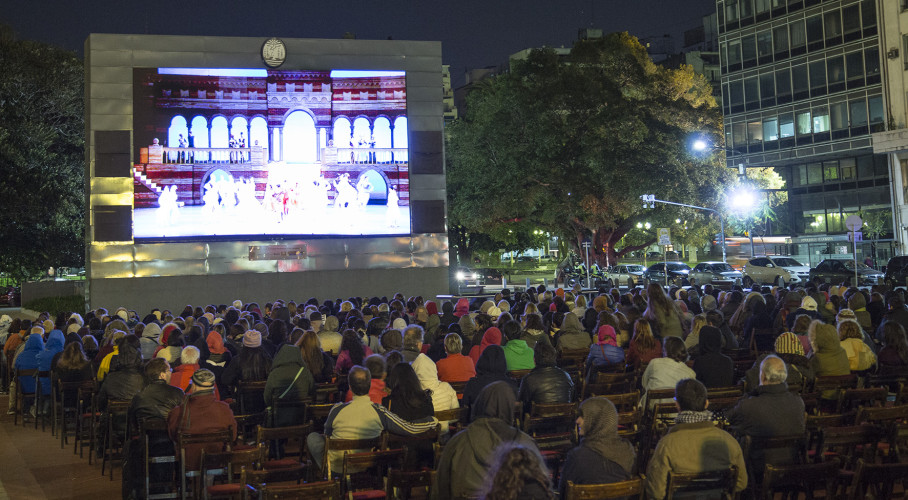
{"x": 780, "y": 450}
{"x": 317, "y": 413}
{"x": 68, "y": 414}
{"x": 794, "y": 479}
{"x": 220, "y": 440}
{"x": 116, "y": 435}
{"x": 400, "y": 483}
{"x": 21, "y": 396}
{"x": 632, "y": 488}
{"x": 228, "y": 464}
{"x": 851, "y": 399}
{"x": 877, "y": 480}
{"x": 457, "y": 418}
{"x": 42, "y": 379}
{"x": 572, "y": 358}
{"x": 722, "y": 481}
{"x": 417, "y": 448}
{"x": 152, "y": 432}
{"x": 88, "y": 418}
{"x": 625, "y": 402}
{"x": 345, "y": 446}
{"x": 324, "y": 490}
{"x": 286, "y": 445}
{"x": 363, "y": 475}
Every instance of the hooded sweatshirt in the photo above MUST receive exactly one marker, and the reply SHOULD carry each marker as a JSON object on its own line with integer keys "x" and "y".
{"x": 443, "y": 395}
{"x": 858, "y": 304}
{"x": 28, "y": 360}
{"x": 5, "y": 321}
{"x": 54, "y": 345}
{"x": 492, "y": 336}
{"x": 712, "y": 367}
{"x": 468, "y": 456}
{"x": 828, "y": 357}
{"x": 150, "y": 340}
{"x": 288, "y": 371}
{"x": 491, "y": 367}
{"x": 603, "y": 456}
{"x": 572, "y": 335}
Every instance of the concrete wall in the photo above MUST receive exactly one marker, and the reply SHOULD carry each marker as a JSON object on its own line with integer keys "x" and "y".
{"x": 41, "y": 289}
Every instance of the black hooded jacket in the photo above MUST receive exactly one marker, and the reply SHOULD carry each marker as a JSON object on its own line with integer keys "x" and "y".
{"x": 126, "y": 378}
{"x": 490, "y": 367}
{"x": 712, "y": 367}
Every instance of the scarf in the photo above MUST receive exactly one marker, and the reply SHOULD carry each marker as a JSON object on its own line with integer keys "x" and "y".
{"x": 693, "y": 417}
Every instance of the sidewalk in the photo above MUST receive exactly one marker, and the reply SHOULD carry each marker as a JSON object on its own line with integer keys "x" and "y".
{"x": 34, "y": 466}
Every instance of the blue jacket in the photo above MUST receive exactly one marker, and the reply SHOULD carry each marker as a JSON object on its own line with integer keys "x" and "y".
{"x": 28, "y": 360}
{"x": 55, "y": 341}
{"x": 604, "y": 354}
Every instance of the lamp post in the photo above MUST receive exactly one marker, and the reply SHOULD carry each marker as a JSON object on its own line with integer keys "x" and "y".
{"x": 649, "y": 201}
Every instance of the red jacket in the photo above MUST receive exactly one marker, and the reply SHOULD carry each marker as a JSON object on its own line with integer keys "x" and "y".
{"x": 376, "y": 392}
{"x": 182, "y": 375}
{"x": 200, "y": 413}
{"x": 455, "y": 368}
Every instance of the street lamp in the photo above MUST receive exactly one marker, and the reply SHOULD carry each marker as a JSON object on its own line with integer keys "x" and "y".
{"x": 650, "y": 200}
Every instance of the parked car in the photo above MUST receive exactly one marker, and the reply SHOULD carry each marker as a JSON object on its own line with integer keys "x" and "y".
{"x": 799, "y": 272}
{"x": 762, "y": 271}
{"x": 896, "y": 271}
{"x": 716, "y": 273}
{"x": 837, "y": 271}
{"x": 677, "y": 273}
{"x": 10, "y": 297}
{"x": 620, "y": 275}
{"x": 466, "y": 276}
{"x": 487, "y": 275}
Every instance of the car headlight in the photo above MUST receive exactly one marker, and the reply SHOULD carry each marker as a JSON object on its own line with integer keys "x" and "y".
{"x": 475, "y": 276}
{"x": 461, "y": 276}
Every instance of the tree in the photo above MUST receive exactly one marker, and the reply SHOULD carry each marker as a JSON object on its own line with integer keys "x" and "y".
{"x": 42, "y": 155}
{"x": 568, "y": 148}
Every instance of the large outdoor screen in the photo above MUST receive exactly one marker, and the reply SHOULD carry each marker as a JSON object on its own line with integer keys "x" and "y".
{"x": 249, "y": 152}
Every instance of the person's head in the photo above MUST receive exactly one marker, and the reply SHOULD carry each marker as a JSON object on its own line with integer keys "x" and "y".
{"x": 90, "y": 343}
{"x": 73, "y": 356}
{"x": 376, "y": 366}
{"x": 453, "y": 343}
{"x": 413, "y": 335}
{"x": 403, "y": 383}
{"x": 189, "y": 355}
{"x": 360, "y": 380}
{"x": 849, "y": 329}
{"x": 801, "y": 324}
{"x": 690, "y": 395}
{"x": 699, "y": 322}
{"x": 643, "y": 335}
{"x": 513, "y": 467}
{"x": 202, "y": 380}
{"x": 158, "y": 369}
{"x": 674, "y": 348}
{"x": 597, "y": 416}
{"x": 773, "y": 370}
{"x": 544, "y": 354}
{"x": 511, "y": 330}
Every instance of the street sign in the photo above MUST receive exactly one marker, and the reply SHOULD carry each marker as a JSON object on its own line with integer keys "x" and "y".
{"x": 664, "y": 236}
{"x": 855, "y": 236}
{"x": 854, "y": 223}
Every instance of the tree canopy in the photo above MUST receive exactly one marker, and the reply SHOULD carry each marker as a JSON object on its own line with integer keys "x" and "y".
{"x": 41, "y": 154}
{"x": 568, "y": 146}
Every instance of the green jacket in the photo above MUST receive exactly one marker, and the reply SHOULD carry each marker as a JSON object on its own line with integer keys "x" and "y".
{"x": 518, "y": 355}
{"x": 287, "y": 363}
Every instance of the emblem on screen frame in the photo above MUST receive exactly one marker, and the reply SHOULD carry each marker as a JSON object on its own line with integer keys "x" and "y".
{"x": 274, "y": 52}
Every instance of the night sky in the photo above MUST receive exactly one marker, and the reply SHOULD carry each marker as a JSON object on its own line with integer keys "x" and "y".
{"x": 473, "y": 33}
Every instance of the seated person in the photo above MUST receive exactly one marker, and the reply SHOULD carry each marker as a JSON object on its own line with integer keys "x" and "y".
{"x": 359, "y": 419}
{"x": 694, "y": 444}
{"x": 546, "y": 383}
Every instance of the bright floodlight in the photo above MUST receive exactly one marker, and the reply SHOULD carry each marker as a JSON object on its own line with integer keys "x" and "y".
{"x": 699, "y": 145}
{"x": 742, "y": 199}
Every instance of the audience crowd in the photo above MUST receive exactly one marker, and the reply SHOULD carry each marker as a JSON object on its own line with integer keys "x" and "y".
{"x": 398, "y": 361}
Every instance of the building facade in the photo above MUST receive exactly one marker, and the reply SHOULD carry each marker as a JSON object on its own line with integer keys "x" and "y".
{"x": 803, "y": 92}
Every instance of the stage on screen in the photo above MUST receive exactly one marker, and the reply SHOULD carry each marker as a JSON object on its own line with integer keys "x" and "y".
{"x": 251, "y": 152}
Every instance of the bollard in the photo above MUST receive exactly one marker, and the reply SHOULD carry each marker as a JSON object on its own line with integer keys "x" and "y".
{"x": 504, "y": 282}
{"x": 545, "y": 283}
{"x": 527, "y": 284}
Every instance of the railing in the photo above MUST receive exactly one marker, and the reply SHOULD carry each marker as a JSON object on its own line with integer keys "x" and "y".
{"x": 207, "y": 155}
{"x": 372, "y": 155}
